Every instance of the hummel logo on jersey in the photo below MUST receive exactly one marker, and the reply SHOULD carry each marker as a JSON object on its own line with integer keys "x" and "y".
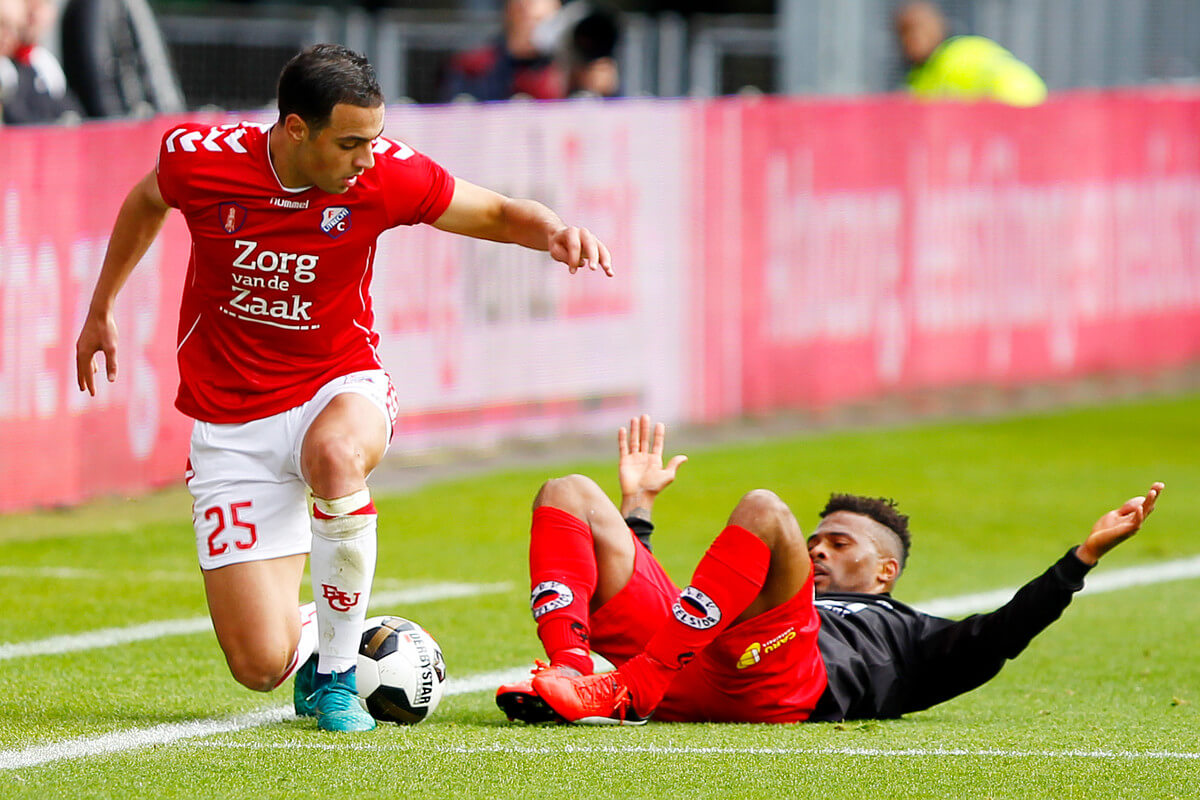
{"x": 335, "y": 220}
{"x": 232, "y": 216}
{"x": 696, "y": 609}
{"x": 283, "y": 202}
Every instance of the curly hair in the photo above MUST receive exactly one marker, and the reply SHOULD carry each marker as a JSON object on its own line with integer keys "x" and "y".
{"x": 881, "y": 509}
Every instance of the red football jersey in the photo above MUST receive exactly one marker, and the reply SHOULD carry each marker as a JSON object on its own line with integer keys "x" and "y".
{"x": 277, "y": 301}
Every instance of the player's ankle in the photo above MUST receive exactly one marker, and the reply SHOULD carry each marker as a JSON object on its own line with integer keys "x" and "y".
{"x": 572, "y": 658}
{"x": 330, "y": 673}
{"x": 647, "y": 679}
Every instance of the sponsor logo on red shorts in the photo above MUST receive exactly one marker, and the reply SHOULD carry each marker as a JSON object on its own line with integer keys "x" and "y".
{"x": 755, "y": 652}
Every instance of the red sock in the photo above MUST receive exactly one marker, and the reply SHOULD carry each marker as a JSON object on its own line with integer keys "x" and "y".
{"x": 562, "y": 574}
{"x": 726, "y": 581}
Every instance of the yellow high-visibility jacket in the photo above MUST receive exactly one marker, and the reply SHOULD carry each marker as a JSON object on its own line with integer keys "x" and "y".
{"x": 976, "y": 68}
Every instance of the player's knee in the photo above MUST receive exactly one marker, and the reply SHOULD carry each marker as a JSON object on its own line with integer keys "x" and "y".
{"x": 572, "y": 493}
{"x": 763, "y": 513}
{"x": 333, "y": 460}
{"x": 259, "y": 671}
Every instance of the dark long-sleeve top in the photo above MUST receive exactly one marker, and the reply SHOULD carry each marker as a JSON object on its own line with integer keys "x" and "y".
{"x": 885, "y": 659}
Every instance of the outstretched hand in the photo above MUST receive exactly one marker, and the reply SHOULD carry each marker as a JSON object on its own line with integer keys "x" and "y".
{"x": 1118, "y": 525}
{"x": 640, "y": 468}
{"x": 580, "y": 248}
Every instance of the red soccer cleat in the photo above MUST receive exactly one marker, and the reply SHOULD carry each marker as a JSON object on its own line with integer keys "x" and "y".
{"x": 601, "y": 699}
{"x": 519, "y": 701}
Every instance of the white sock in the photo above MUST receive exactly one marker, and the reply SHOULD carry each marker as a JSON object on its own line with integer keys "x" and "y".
{"x": 342, "y": 564}
{"x": 307, "y": 644}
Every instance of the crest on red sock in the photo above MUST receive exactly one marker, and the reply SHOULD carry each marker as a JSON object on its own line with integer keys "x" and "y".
{"x": 696, "y": 609}
{"x": 548, "y": 596}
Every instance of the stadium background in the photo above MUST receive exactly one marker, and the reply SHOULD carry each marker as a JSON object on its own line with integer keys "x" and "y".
{"x": 812, "y": 260}
{"x": 800, "y": 253}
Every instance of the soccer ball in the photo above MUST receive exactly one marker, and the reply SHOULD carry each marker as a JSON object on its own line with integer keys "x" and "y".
{"x": 401, "y": 672}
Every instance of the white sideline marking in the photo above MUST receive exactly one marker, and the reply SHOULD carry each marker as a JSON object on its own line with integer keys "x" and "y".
{"x": 570, "y": 749}
{"x": 77, "y": 574}
{"x": 1098, "y": 583}
{"x": 171, "y": 576}
{"x": 109, "y": 637}
{"x": 119, "y": 741}
{"x": 134, "y": 738}
{"x": 486, "y": 681}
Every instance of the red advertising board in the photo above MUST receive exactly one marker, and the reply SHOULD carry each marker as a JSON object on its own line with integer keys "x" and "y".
{"x": 893, "y": 244}
{"x": 59, "y": 191}
{"x": 772, "y": 254}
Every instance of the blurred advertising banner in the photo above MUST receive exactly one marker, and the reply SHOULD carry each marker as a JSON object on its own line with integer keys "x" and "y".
{"x": 489, "y": 342}
{"x": 60, "y": 189}
{"x": 485, "y": 342}
{"x": 892, "y": 245}
{"x": 771, "y": 254}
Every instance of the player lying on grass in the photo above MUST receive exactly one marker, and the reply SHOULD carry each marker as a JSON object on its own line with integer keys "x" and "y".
{"x": 746, "y": 640}
{"x": 277, "y": 354}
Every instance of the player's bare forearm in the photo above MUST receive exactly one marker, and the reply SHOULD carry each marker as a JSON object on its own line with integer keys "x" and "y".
{"x": 637, "y": 505}
{"x": 1118, "y": 525}
{"x": 138, "y": 222}
{"x": 484, "y": 214}
{"x": 528, "y": 223}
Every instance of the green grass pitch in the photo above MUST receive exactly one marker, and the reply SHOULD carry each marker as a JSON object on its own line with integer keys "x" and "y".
{"x": 1103, "y": 705}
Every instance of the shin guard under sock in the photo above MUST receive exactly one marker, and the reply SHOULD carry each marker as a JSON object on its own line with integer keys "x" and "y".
{"x": 342, "y": 564}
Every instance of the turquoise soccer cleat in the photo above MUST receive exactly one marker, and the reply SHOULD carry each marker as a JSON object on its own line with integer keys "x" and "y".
{"x": 336, "y": 704}
{"x": 305, "y": 685}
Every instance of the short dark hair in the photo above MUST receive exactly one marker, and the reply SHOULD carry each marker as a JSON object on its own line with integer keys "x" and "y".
{"x": 321, "y": 76}
{"x": 881, "y": 509}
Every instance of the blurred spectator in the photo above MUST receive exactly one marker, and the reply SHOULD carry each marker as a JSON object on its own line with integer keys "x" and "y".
{"x": 590, "y": 50}
{"x": 40, "y": 94}
{"x": 10, "y": 28}
{"x": 512, "y": 64}
{"x": 961, "y": 67}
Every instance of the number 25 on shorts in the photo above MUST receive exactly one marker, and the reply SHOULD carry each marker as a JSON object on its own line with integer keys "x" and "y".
{"x": 242, "y": 539}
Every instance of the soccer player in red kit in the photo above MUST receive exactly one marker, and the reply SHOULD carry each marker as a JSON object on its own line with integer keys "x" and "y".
{"x": 277, "y": 354}
{"x": 772, "y": 627}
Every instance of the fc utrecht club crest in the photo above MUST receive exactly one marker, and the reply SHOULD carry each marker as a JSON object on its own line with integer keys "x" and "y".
{"x": 231, "y": 216}
{"x": 335, "y": 220}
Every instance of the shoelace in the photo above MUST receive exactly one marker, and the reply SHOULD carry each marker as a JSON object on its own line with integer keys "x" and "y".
{"x": 344, "y": 694}
{"x": 608, "y": 695}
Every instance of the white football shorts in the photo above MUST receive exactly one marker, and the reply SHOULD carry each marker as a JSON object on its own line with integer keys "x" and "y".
{"x": 250, "y": 502}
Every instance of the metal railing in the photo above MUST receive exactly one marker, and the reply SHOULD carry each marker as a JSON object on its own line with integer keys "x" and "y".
{"x": 230, "y": 55}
